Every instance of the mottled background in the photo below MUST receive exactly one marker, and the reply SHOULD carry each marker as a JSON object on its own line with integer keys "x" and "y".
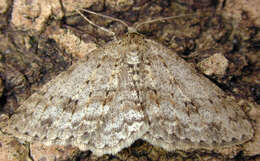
{"x": 41, "y": 38}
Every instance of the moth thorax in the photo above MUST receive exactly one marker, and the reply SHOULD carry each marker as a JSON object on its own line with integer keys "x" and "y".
{"x": 133, "y": 57}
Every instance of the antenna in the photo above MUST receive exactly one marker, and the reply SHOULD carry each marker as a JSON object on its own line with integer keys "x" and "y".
{"x": 101, "y": 15}
{"x": 129, "y": 28}
{"x": 162, "y": 19}
{"x": 89, "y": 21}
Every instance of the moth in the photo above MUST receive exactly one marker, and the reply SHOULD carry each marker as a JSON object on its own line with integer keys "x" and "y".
{"x": 131, "y": 88}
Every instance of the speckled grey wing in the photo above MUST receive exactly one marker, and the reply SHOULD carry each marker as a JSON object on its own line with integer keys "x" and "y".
{"x": 186, "y": 110}
{"x": 91, "y": 106}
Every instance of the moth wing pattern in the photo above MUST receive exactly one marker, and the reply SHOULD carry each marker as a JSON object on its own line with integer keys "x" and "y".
{"x": 131, "y": 88}
{"x": 186, "y": 110}
{"x": 92, "y": 106}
